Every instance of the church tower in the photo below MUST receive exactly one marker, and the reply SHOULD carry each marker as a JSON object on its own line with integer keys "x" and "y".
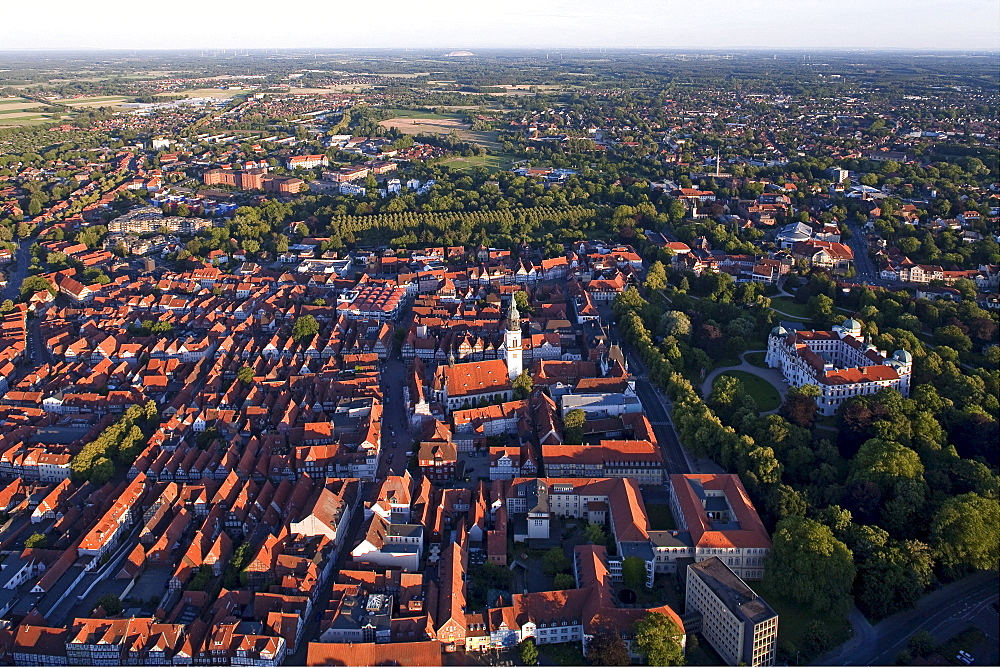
{"x": 512, "y": 341}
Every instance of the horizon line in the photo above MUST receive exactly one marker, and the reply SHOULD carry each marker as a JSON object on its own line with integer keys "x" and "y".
{"x": 706, "y": 49}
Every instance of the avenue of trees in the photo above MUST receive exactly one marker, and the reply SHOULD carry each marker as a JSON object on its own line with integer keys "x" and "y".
{"x": 899, "y": 497}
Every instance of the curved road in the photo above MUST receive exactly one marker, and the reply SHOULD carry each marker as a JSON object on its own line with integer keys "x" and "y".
{"x": 945, "y": 612}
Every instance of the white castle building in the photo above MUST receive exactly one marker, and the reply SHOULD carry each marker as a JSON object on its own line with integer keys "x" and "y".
{"x": 839, "y": 362}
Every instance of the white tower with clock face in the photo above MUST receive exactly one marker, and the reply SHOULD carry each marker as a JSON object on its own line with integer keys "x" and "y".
{"x": 512, "y": 341}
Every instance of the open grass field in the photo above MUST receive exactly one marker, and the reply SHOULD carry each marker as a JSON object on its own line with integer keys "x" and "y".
{"x": 765, "y": 394}
{"x": 757, "y": 359}
{"x": 494, "y": 163}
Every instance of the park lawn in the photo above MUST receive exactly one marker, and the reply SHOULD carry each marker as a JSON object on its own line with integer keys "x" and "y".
{"x": 766, "y": 395}
{"x": 727, "y": 361}
{"x": 756, "y": 359}
{"x": 790, "y": 308}
{"x": 660, "y": 517}
{"x": 793, "y": 618}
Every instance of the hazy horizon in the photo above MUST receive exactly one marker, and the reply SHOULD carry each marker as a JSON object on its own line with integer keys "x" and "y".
{"x": 920, "y": 25}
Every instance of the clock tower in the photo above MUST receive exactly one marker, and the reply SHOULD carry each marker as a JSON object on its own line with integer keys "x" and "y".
{"x": 512, "y": 341}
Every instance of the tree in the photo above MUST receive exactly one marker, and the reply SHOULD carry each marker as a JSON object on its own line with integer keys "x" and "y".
{"x": 32, "y": 284}
{"x": 634, "y": 572}
{"x": 893, "y": 577}
{"x": 921, "y": 643}
{"x": 111, "y": 604}
{"x": 305, "y": 328}
{"x": 595, "y": 533}
{"x": 554, "y": 561}
{"x": 607, "y": 649}
{"x": 963, "y": 533}
{"x": 101, "y": 471}
{"x": 245, "y": 375}
{"x": 523, "y": 303}
{"x": 953, "y": 337}
{"x": 522, "y": 385}
{"x": 656, "y": 278}
{"x": 563, "y": 581}
{"x": 575, "y": 419}
{"x": 820, "y": 308}
{"x": 799, "y": 406}
{"x": 7, "y": 306}
{"x": 675, "y": 323}
{"x": 658, "y": 639}
{"x": 528, "y": 651}
{"x": 36, "y": 540}
{"x": 810, "y": 565}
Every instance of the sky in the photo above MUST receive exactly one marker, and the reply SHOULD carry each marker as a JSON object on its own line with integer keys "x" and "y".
{"x": 471, "y": 24}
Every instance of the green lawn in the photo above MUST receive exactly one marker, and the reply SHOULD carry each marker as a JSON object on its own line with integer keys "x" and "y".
{"x": 793, "y": 309}
{"x": 660, "y": 517}
{"x": 793, "y": 619}
{"x": 494, "y": 163}
{"x": 757, "y": 359}
{"x": 417, "y": 113}
{"x": 765, "y": 394}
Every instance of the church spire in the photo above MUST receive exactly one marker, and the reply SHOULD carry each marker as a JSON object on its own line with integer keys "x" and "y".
{"x": 513, "y": 316}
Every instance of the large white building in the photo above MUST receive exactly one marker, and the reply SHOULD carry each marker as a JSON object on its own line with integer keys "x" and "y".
{"x": 839, "y": 362}
{"x": 740, "y": 625}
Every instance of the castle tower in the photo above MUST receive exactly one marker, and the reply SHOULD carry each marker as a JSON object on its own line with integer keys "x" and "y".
{"x": 512, "y": 341}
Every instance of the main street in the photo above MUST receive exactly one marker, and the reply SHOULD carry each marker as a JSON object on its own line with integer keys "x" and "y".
{"x": 944, "y": 613}
{"x": 862, "y": 263}
{"x": 22, "y": 260}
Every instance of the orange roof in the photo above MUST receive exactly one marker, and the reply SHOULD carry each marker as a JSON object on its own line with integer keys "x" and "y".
{"x": 751, "y": 531}
{"x": 476, "y": 377}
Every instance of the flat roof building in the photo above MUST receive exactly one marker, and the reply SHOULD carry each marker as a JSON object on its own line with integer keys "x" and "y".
{"x": 739, "y": 624}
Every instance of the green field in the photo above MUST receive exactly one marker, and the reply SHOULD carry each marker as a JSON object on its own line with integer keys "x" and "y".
{"x": 756, "y": 359}
{"x": 790, "y": 308}
{"x": 765, "y": 394}
{"x": 416, "y": 113}
{"x": 494, "y": 163}
{"x": 93, "y": 101}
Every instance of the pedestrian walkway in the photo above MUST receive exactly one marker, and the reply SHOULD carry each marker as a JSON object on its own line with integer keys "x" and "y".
{"x": 772, "y": 376}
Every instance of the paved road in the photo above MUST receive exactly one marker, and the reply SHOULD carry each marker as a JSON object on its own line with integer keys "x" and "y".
{"x": 862, "y": 263}
{"x": 945, "y": 612}
{"x": 19, "y": 271}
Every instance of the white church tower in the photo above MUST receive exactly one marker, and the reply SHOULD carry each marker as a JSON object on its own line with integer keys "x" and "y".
{"x": 512, "y": 341}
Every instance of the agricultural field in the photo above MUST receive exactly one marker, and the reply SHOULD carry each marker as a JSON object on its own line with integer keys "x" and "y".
{"x": 208, "y": 92}
{"x": 16, "y": 111}
{"x": 106, "y": 101}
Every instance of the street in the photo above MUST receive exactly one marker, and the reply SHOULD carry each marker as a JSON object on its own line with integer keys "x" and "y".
{"x": 20, "y": 271}
{"x": 944, "y": 613}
